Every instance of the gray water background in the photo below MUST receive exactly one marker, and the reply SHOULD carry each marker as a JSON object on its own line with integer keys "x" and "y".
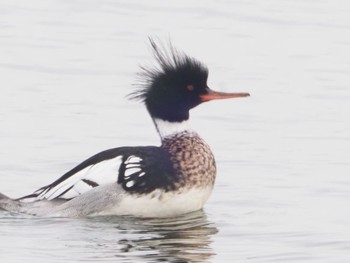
{"x": 283, "y": 187}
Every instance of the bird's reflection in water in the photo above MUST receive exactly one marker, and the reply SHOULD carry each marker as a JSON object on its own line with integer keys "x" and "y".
{"x": 181, "y": 239}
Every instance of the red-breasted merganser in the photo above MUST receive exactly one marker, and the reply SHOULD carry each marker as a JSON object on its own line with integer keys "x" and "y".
{"x": 148, "y": 181}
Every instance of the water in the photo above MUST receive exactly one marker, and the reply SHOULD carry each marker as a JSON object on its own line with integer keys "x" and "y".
{"x": 114, "y": 238}
{"x": 282, "y": 190}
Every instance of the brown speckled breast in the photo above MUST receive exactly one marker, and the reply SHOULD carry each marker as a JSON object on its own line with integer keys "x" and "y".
{"x": 192, "y": 158}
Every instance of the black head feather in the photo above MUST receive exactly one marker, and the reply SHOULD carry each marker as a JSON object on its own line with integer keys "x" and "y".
{"x": 172, "y": 88}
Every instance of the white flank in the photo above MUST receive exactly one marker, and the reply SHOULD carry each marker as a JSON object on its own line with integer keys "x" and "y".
{"x": 168, "y": 129}
{"x": 160, "y": 204}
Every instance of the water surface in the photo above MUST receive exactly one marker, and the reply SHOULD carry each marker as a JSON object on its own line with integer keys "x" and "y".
{"x": 283, "y": 182}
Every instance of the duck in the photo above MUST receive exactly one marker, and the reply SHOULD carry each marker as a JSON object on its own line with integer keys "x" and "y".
{"x": 169, "y": 180}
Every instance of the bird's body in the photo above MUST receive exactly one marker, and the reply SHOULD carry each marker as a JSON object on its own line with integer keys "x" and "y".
{"x": 148, "y": 181}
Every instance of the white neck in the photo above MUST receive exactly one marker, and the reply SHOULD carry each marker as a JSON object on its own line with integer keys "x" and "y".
{"x": 168, "y": 129}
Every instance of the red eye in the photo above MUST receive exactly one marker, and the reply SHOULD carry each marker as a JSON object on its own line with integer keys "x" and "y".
{"x": 190, "y": 87}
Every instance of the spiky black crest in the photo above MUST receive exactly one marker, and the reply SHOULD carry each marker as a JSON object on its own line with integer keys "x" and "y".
{"x": 172, "y": 63}
{"x": 165, "y": 87}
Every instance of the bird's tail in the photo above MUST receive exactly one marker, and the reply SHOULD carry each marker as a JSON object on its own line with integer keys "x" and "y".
{"x": 9, "y": 204}
{"x": 32, "y": 207}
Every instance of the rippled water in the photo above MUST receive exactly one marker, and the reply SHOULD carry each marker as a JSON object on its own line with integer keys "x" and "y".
{"x": 282, "y": 190}
{"x": 184, "y": 239}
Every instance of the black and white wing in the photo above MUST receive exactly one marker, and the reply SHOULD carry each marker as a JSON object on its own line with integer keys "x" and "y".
{"x": 136, "y": 169}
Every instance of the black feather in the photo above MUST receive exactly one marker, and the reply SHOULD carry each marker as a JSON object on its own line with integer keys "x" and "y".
{"x": 170, "y": 62}
{"x": 165, "y": 87}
